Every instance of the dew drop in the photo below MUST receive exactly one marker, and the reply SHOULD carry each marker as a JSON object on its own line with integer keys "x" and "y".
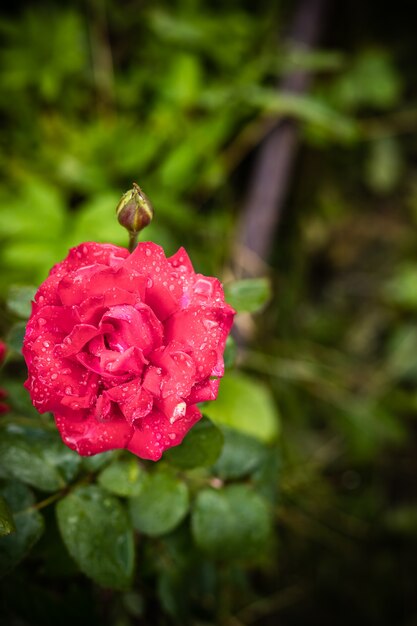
{"x": 68, "y": 391}
{"x": 148, "y": 252}
{"x": 179, "y": 411}
{"x": 46, "y": 344}
{"x": 149, "y": 283}
{"x": 54, "y": 376}
{"x": 41, "y": 321}
{"x": 209, "y": 324}
{"x": 203, "y": 287}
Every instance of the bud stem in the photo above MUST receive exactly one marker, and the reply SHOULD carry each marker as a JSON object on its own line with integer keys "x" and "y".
{"x": 133, "y": 240}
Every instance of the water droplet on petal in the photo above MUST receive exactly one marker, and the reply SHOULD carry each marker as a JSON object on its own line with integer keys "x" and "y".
{"x": 41, "y": 321}
{"x": 178, "y": 412}
{"x": 68, "y": 391}
{"x": 203, "y": 287}
{"x": 209, "y": 324}
{"x": 54, "y": 376}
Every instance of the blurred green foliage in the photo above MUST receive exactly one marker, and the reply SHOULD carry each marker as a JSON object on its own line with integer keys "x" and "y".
{"x": 309, "y": 518}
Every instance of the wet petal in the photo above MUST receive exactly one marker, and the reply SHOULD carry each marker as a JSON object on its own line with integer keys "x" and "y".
{"x": 95, "y": 280}
{"x": 153, "y": 434}
{"x": 87, "y": 435}
{"x": 204, "y": 331}
{"x": 135, "y": 402}
{"x": 165, "y": 284}
{"x": 133, "y": 326}
{"x": 204, "y": 391}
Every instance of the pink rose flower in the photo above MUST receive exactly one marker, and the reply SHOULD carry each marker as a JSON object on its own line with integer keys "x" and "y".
{"x": 121, "y": 347}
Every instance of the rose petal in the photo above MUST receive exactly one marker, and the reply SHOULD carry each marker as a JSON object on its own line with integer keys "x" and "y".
{"x": 135, "y": 402}
{"x": 179, "y": 370}
{"x": 204, "y": 331}
{"x": 95, "y": 280}
{"x": 84, "y": 433}
{"x": 133, "y": 326}
{"x": 181, "y": 262}
{"x": 204, "y": 391}
{"x": 131, "y": 362}
{"x": 92, "y": 309}
{"x": 165, "y": 284}
{"x": 76, "y": 340}
{"x": 91, "y": 253}
{"x": 152, "y": 380}
{"x": 154, "y": 434}
{"x": 85, "y": 254}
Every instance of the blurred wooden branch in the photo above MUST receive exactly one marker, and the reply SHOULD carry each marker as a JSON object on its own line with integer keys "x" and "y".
{"x": 273, "y": 164}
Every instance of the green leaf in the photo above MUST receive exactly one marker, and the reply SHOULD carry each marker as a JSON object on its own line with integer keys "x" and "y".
{"x": 231, "y": 523}
{"x": 249, "y": 294}
{"x": 19, "y": 300}
{"x": 123, "y": 478}
{"x": 28, "y": 522}
{"x": 385, "y": 165}
{"x": 161, "y": 505}
{"x": 246, "y": 405}
{"x": 7, "y": 524}
{"x": 402, "y": 520}
{"x": 241, "y": 455}
{"x": 14, "y": 338}
{"x": 401, "y": 289}
{"x": 18, "y": 398}
{"x": 36, "y": 456}
{"x": 98, "y": 461}
{"x": 230, "y": 352}
{"x": 200, "y": 447}
{"x": 97, "y": 532}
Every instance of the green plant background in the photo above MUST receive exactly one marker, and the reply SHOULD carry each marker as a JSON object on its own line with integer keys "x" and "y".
{"x": 294, "y": 501}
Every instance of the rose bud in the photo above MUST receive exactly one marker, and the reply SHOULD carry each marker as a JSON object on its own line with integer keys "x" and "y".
{"x": 122, "y": 347}
{"x": 134, "y": 211}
